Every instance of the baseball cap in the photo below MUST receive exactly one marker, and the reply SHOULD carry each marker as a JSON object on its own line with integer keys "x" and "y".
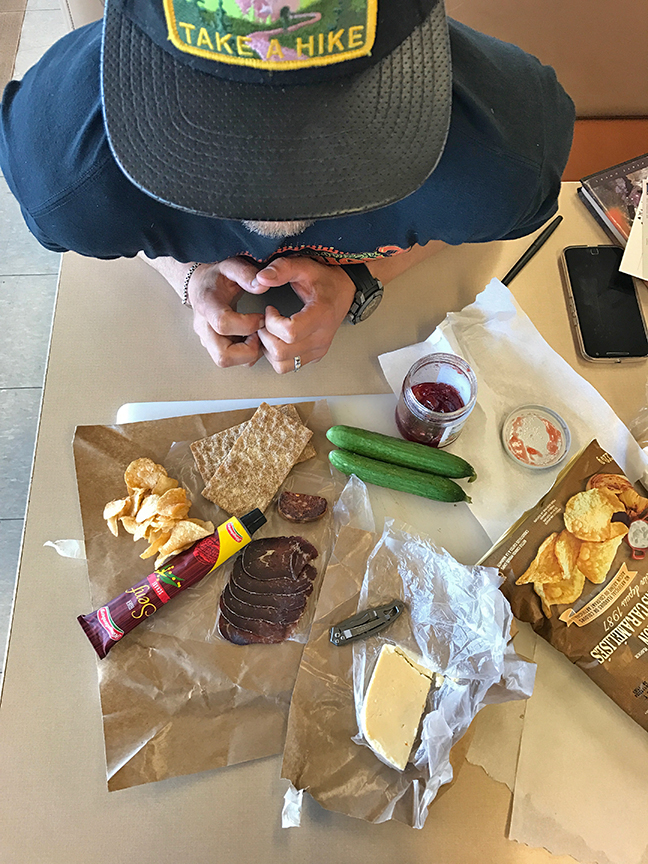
{"x": 276, "y": 109}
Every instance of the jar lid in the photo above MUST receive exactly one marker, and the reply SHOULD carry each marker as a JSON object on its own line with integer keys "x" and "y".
{"x": 535, "y": 436}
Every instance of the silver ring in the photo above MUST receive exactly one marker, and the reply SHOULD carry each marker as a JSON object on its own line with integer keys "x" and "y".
{"x": 297, "y": 363}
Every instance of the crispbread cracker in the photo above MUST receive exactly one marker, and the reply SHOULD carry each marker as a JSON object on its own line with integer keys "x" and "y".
{"x": 209, "y": 452}
{"x": 258, "y": 463}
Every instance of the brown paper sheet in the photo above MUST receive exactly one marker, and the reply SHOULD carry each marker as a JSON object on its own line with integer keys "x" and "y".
{"x": 176, "y": 698}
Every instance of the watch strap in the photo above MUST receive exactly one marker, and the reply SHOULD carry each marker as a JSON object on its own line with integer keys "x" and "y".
{"x": 367, "y": 287}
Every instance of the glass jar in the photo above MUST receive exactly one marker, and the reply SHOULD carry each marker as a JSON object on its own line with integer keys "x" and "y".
{"x": 436, "y": 399}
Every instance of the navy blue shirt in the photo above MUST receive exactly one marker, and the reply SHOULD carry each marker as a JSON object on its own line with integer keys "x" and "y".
{"x": 498, "y": 178}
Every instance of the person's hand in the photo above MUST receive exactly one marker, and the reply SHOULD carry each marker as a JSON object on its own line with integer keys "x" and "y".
{"x": 229, "y": 336}
{"x": 327, "y": 293}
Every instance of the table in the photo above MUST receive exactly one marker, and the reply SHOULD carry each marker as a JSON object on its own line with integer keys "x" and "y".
{"x": 121, "y": 335}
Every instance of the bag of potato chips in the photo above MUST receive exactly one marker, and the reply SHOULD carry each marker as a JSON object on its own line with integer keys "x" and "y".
{"x": 576, "y": 568}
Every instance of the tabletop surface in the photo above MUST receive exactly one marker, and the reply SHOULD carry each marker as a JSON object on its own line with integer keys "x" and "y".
{"x": 121, "y": 335}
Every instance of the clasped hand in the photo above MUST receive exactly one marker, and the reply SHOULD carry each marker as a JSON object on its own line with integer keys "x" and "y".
{"x": 239, "y": 339}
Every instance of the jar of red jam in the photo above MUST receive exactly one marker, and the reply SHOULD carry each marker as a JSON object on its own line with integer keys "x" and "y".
{"x": 438, "y": 394}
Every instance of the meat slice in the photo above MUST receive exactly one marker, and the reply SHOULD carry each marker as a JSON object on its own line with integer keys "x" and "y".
{"x": 272, "y": 557}
{"x": 280, "y": 585}
{"x": 299, "y": 507}
{"x": 244, "y": 637}
{"x": 264, "y": 604}
{"x": 273, "y": 614}
{"x": 278, "y": 601}
{"x": 258, "y": 626}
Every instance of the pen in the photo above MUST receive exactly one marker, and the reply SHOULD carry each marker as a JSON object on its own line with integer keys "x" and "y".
{"x": 531, "y": 251}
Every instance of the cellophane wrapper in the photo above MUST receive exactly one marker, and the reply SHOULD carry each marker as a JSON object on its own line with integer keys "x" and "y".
{"x": 457, "y": 621}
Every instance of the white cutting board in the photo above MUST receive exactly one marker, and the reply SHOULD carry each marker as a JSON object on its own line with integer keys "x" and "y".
{"x": 451, "y": 526}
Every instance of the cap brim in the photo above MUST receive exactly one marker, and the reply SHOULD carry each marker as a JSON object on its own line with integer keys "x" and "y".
{"x": 247, "y": 151}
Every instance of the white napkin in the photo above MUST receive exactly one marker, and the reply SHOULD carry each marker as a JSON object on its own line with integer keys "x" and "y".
{"x": 514, "y": 366}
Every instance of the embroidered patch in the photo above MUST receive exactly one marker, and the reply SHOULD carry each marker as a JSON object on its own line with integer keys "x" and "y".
{"x": 273, "y": 34}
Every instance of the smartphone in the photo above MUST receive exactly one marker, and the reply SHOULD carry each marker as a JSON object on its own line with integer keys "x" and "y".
{"x": 605, "y": 312}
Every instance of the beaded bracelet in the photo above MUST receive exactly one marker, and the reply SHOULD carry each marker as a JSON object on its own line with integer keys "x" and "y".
{"x": 185, "y": 291}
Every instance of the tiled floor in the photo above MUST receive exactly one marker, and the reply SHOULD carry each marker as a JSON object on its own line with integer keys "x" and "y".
{"x": 28, "y": 275}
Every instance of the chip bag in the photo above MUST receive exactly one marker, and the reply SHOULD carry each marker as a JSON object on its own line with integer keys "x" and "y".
{"x": 575, "y": 568}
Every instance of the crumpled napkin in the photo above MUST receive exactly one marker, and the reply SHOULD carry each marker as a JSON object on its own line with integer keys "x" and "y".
{"x": 514, "y": 366}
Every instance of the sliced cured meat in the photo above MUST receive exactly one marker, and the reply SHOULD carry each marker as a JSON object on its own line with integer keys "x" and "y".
{"x": 272, "y": 557}
{"x": 242, "y": 637}
{"x": 265, "y": 603}
{"x": 299, "y": 507}
{"x": 257, "y": 626}
{"x": 280, "y": 585}
{"x": 273, "y": 614}
{"x": 278, "y": 601}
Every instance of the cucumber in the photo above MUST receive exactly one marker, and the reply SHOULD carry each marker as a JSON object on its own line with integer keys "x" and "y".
{"x": 397, "y": 477}
{"x": 400, "y": 452}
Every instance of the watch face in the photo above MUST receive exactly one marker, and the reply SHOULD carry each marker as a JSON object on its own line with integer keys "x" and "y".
{"x": 370, "y": 306}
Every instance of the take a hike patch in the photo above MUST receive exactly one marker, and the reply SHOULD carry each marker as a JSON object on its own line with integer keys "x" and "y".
{"x": 273, "y": 34}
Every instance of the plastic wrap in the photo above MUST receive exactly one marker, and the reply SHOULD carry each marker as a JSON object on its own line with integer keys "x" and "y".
{"x": 457, "y": 622}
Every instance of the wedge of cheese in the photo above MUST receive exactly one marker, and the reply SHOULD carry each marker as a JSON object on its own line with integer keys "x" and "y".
{"x": 394, "y": 702}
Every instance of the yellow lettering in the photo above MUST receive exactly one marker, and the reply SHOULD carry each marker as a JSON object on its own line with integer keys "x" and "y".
{"x": 310, "y": 46}
{"x": 147, "y": 608}
{"x": 334, "y": 39}
{"x": 355, "y": 36}
{"x": 320, "y": 43}
{"x": 222, "y": 42}
{"x": 243, "y": 46}
{"x": 187, "y": 28}
{"x": 203, "y": 39}
{"x": 274, "y": 49}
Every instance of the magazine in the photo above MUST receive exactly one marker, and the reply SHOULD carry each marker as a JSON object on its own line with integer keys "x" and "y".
{"x": 635, "y": 256}
{"x": 613, "y": 195}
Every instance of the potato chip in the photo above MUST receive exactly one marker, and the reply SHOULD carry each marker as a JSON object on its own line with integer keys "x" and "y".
{"x": 174, "y": 504}
{"x": 258, "y": 463}
{"x": 565, "y": 591}
{"x": 567, "y": 549}
{"x": 538, "y": 587}
{"x": 183, "y": 535}
{"x": 156, "y": 539}
{"x": 595, "y": 559}
{"x": 545, "y": 566}
{"x": 156, "y": 509}
{"x": 636, "y": 505}
{"x": 588, "y": 515}
{"x": 113, "y": 510}
{"x": 614, "y": 483}
{"x": 163, "y": 485}
{"x": 143, "y": 474}
{"x": 140, "y": 531}
{"x": 556, "y": 593}
{"x": 129, "y": 523}
{"x": 120, "y": 507}
{"x": 148, "y": 508}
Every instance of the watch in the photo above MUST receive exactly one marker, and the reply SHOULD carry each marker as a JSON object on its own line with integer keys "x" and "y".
{"x": 369, "y": 292}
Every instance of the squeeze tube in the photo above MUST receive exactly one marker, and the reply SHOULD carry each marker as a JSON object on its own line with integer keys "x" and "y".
{"x": 107, "y": 625}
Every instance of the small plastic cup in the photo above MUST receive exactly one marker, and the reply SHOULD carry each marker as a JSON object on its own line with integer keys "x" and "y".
{"x": 453, "y": 383}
